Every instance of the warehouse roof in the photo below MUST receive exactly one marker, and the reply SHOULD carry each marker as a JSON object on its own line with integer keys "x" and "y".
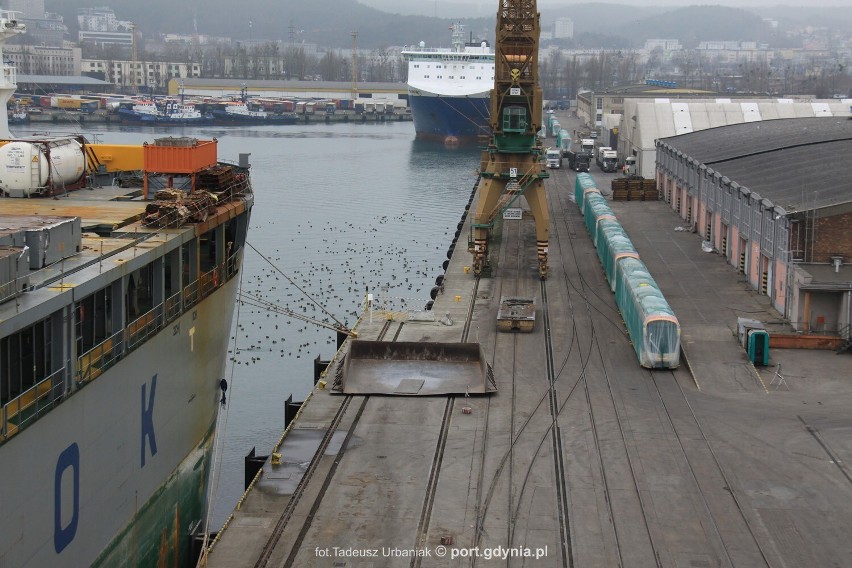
{"x": 798, "y": 164}
{"x": 647, "y": 120}
{"x": 62, "y": 80}
{"x": 236, "y": 84}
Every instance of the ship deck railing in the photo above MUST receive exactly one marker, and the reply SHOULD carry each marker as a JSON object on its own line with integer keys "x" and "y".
{"x": 104, "y": 355}
{"x": 25, "y": 408}
{"x": 32, "y": 403}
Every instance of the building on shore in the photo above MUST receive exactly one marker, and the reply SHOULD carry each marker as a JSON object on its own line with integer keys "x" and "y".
{"x": 646, "y": 120}
{"x": 297, "y": 89}
{"x": 770, "y": 198}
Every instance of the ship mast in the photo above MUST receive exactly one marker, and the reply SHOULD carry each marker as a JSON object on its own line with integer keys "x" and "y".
{"x": 354, "y": 66}
{"x": 9, "y": 27}
{"x": 511, "y": 166}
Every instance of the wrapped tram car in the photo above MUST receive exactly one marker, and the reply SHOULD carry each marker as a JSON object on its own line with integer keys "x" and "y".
{"x": 653, "y": 328}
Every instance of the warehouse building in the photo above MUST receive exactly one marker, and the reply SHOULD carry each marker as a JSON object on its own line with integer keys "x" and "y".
{"x": 297, "y": 89}
{"x": 775, "y": 199}
{"x": 647, "y": 120}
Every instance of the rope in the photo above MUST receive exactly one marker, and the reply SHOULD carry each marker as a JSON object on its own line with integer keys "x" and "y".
{"x": 256, "y": 302}
{"x": 461, "y": 114}
{"x": 219, "y": 444}
{"x": 308, "y": 296}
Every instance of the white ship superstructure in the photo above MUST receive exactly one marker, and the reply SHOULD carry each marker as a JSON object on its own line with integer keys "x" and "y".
{"x": 449, "y": 89}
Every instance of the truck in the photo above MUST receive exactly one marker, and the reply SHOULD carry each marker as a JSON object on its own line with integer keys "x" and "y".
{"x": 580, "y": 155}
{"x": 553, "y": 158}
{"x": 630, "y": 166}
{"x": 609, "y": 161}
{"x": 599, "y": 155}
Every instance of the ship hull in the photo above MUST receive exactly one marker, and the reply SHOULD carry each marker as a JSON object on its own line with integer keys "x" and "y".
{"x": 144, "y": 119}
{"x": 226, "y": 118}
{"x": 449, "y": 119}
{"x": 116, "y": 473}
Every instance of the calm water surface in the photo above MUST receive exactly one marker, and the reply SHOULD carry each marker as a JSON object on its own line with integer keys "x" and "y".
{"x": 339, "y": 209}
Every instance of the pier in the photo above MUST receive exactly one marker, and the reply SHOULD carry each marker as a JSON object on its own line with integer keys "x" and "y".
{"x": 103, "y": 117}
{"x": 580, "y": 457}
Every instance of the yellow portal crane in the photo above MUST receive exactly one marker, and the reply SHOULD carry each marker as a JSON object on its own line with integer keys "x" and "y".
{"x": 511, "y": 166}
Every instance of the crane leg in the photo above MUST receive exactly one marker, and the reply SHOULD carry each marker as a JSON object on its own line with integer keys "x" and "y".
{"x": 537, "y": 200}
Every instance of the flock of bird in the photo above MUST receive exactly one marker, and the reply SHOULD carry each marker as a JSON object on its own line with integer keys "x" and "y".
{"x": 327, "y": 278}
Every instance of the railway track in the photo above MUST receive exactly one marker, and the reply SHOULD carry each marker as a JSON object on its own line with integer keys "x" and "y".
{"x": 506, "y": 464}
{"x": 440, "y": 446}
{"x": 702, "y": 437}
{"x": 715, "y": 540}
{"x": 287, "y": 514}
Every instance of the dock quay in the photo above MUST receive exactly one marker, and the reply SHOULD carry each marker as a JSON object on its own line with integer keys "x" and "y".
{"x": 580, "y": 457}
{"x": 103, "y": 117}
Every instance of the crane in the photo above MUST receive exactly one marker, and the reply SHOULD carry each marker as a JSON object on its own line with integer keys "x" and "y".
{"x": 510, "y": 166}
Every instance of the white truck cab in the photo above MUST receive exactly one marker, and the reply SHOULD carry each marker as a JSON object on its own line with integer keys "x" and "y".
{"x": 553, "y": 158}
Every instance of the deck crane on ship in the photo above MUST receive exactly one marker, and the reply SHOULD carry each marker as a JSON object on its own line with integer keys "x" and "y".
{"x": 510, "y": 166}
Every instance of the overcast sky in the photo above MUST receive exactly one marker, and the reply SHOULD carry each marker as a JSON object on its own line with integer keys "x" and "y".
{"x": 558, "y": 3}
{"x": 444, "y": 8}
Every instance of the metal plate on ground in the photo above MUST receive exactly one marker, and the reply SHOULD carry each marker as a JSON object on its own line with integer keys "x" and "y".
{"x": 516, "y": 314}
{"x": 409, "y": 386}
{"x": 411, "y": 368}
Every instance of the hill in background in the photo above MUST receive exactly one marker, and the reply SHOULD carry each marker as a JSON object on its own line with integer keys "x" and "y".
{"x": 331, "y": 22}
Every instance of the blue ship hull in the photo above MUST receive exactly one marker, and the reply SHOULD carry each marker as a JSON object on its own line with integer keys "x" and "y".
{"x": 450, "y": 119}
{"x": 139, "y": 118}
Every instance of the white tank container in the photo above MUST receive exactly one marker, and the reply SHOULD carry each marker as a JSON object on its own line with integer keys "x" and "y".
{"x": 27, "y": 167}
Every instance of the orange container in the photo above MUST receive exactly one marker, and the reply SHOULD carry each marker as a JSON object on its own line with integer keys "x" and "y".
{"x": 179, "y": 155}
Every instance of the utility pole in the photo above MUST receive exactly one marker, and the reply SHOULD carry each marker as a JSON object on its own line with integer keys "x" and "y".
{"x": 354, "y": 65}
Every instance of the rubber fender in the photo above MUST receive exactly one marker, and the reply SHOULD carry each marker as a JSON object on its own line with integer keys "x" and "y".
{"x": 460, "y": 225}
{"x": 450, "y": 251}
{"x": 446, "y": 264}
{"x": 429, "y": 305}
{"x": 439, "y": 280}
{"x": 433, "y": 293}
{"x": 458, "y": 232}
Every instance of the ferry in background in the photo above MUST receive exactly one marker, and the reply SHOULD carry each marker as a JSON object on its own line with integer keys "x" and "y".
{"x": 115, "y": 311}
{"x": 449, "y": 89}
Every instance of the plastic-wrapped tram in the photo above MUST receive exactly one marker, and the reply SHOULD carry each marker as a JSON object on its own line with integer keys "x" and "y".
{"x": 653, "y": 328}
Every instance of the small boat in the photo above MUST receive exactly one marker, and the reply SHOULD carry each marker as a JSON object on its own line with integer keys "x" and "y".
{"x": 19, "y": 116}
{"x": 239, "y": 113}
{"x": 167, "y": 113}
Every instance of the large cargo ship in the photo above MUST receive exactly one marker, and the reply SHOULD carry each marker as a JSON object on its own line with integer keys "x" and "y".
{"x": 449, "y": 89}
{"x": 115, "y": 311}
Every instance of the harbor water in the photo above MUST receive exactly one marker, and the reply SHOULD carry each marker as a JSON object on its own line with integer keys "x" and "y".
{"x": 341, "y": 210}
